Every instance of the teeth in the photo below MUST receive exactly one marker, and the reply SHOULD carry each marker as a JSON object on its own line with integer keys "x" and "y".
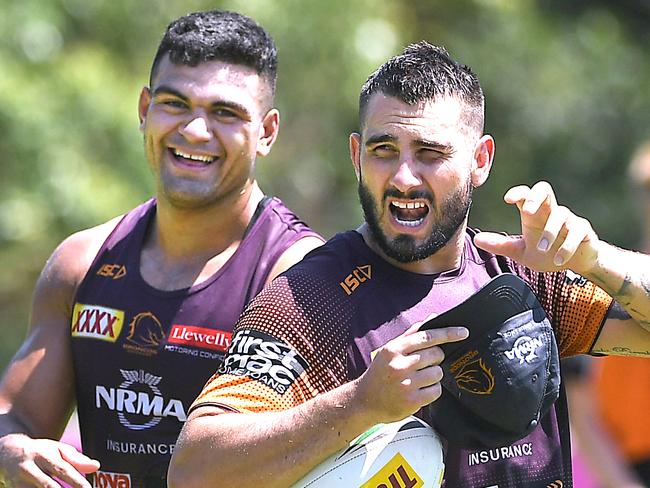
{"x": 410, "y": 205}
{"x": 410, "y": 223}
{"x": 194, "y": 157}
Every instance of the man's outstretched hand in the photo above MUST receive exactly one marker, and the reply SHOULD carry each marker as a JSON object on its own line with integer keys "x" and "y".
{"x": 552, "y": 236}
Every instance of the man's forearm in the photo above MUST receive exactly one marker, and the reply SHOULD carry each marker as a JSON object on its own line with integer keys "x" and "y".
{"x": 625, "y": 275}
{"x": 265, "y": 449}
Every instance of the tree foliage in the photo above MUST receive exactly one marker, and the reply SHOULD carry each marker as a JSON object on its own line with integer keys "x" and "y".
{"x": 565, "y": 88}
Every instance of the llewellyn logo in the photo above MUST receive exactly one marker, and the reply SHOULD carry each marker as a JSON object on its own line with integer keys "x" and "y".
{"x": 472, "y": 374}
{"x": 94, "y": 322}
{"x": 354, "y": 279}
{"x": 138, "y": 402}
{"x": 200, "y": 337}
{"x": 146, "y": 334}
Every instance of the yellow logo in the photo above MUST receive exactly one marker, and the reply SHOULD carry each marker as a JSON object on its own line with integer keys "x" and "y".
{"x": 95, "y": 322}
{"x": 354, "y": 279}
{"x": 472, "y": 374}
{"x": 397, "y": 473}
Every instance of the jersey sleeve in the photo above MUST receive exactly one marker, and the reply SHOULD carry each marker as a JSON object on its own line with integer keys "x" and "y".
{"x": 288, "y": 346}
{"x": 576, "y": 307}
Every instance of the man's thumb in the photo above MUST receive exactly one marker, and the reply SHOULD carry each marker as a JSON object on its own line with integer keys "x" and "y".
{"x": 80, "y": 461}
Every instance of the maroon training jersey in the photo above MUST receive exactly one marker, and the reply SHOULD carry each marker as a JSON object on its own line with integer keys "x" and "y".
{"x": 316, "y": 327}
{"x": 141, "y": 355}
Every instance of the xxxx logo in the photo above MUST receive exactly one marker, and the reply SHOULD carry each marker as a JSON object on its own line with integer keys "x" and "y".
{"x": 359, "y": 275}
{"x": 95, "y": 322}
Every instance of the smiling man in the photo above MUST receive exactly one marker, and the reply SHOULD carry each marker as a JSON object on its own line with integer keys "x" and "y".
{"x": 130, "y": 318}
{"x": 333, "y": 346}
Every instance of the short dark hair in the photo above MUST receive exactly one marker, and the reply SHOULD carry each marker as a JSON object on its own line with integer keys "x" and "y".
{"x": 219, "y": 35}
{"x": 425, "y": 72}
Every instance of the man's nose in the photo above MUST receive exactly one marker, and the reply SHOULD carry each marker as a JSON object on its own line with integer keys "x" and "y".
{"x": 405, "y": 176}
{"x": 196, "y": 130}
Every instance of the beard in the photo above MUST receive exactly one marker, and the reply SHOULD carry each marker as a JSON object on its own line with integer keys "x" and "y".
{"x": 404, "y": 248}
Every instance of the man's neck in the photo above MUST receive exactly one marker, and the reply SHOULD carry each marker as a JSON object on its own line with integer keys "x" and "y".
{"x": 184, "y": 247}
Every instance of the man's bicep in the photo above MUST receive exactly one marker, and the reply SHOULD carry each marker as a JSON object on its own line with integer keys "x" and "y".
{"x": 37, "y": 388}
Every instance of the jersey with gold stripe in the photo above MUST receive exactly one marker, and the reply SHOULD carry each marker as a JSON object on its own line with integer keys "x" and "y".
{"x": 317, "y": 326}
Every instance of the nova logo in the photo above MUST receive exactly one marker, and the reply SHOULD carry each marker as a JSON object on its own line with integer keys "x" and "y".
{"x": 354, "y": 279}
{"x": 115, "y": 271}
{"x": 201, "y": 337}
{"x": 263, "y": 358}
{"x": 397, "y": 473}
{"x": 105, "y": 479}
{"x": 138, "y": 401}
{"x": 96, "y": 322}
{"x": 524, "y": 349}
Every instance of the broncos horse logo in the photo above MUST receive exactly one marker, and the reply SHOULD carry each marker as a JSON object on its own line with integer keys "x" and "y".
{"x": 146, "y": 334}
{"x": 473, "y": 375}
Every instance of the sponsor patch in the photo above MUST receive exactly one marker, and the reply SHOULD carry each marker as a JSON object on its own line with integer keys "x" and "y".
{"x": 397, "y": 473}
{"x": 95, "y": 322}
{"x": 146, "y": 334}
{"x": 200, "y": 337}
{"x": 524, "y": 349}
{"x": 358, "y": 275}
{"x": 138, "y": 402}
{"x": 472, "y": 374}
{"x": 263, "y": 358}
{"x": 106, "y": 479}
{"x": 115, "y": 271}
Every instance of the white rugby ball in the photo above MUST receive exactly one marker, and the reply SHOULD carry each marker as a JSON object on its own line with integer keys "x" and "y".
{"x": 404, "y": 454}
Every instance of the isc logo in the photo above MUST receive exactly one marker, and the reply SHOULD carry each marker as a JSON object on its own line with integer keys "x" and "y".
{"x": 397, "y": 473}
{"x": 354, "y": 279}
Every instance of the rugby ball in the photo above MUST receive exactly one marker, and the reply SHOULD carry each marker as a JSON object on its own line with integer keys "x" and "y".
{"x": 404, "y": 454}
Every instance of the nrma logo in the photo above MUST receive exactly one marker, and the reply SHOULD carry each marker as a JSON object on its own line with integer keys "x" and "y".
{"x": 138, "y": 401}
{"x": 524, "y": 349}
{"x": 354, "y": 279}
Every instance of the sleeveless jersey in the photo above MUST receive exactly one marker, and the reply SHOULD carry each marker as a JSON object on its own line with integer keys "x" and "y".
{"x": 324, "y": 318}
{"x": 141, "y": 355}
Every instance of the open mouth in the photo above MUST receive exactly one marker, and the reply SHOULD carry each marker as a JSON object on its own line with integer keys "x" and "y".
{"x": 409, "y": 214}
{"x": 192, "y": 159}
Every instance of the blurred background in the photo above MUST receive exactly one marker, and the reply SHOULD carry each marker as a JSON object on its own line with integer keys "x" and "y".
{"x": 566, "y": 86}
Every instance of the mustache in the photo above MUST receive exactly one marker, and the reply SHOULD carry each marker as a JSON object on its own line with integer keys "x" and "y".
{"x": 412, "y": 195}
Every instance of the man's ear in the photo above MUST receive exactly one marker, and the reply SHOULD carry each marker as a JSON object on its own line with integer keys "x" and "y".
{"x": 268, "y": 132}
{"x": 355, "y": 153}
{"x": 482, "y": 162}
{"x": 143, "y": 106}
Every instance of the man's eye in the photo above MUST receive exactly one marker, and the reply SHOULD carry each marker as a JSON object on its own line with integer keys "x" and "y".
{"x": 225, "y": 113}
{"x": 430, "y": 155}
{"x": 383, "y": 150}
{"x": 174, "y": 103}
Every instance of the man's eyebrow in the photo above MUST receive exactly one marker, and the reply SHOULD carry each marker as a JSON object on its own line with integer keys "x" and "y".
{"x": 168, "y": 90}
{"x": 436, "y": 146}
{"x": 379, "y": 138}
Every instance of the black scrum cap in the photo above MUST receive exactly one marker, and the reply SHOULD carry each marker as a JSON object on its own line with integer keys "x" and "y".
{"x": 500, "y": 381}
